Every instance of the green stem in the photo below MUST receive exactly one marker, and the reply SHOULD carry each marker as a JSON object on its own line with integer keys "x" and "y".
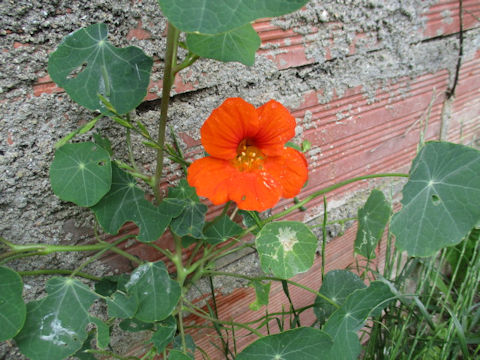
{"x": 47, "y": 248}
{"x": 324, "y": 234}
{"x": 328, "y": 189}
{"x": 126, "y": 255}
{"x": 57, "y": 272}
{"x": 168, "y": 79}
{"x": 106, "y": 247}
{"x": 189, "y": 60}
{"x": 271, "y": 278}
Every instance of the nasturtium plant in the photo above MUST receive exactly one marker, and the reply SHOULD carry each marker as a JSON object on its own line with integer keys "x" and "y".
{"x": 286, "y": 248}
{"x": 87, "y": 64}
{"x": 372, "y": 219}
{"x": 81, "y": 173}
{"x": 250, "y": 163}
{"x": 12, "y": 308}
{"x": 440, "y": 200}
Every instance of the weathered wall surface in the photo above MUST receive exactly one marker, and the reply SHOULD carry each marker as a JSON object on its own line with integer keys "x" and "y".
{"x": 361, "y": 78}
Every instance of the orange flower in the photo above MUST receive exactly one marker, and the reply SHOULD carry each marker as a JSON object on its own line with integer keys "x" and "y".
{"x": 248, "y": 160}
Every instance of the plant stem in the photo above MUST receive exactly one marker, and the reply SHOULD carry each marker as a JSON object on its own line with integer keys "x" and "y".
{"x": 57, "y": 272}
{"x": 168, "y": 79}
{"x": 106, "y": 247}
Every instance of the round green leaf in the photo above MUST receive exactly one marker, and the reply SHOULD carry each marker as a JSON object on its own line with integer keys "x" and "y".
{"x": 157, "y": 295}
{"x": 12, "y": 307}
{"x": 286, "y": 248}
{"x": 337, "y": 285}
{"x": 221, "y": 229}
{"x": 213, "y": 17}
{"x": 56, "y": 325}
{"x": 304, "y": 343}
{"x": 81, "y": 173}
{"x": 441, "y": 199}
{"x": 85, "y": 64}
{"x": 235, "y": 45}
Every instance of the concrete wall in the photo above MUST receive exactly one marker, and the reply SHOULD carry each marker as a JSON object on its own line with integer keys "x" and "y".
{"x": 361, "y": 77}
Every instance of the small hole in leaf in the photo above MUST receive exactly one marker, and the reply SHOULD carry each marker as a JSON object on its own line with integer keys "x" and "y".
{"x": 101, "y": 163}
{"x": 75, "y": 72}
{"x": 436, "y": 200}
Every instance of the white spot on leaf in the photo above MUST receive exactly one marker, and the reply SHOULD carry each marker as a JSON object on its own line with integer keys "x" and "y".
{"x": 287, "y": 237}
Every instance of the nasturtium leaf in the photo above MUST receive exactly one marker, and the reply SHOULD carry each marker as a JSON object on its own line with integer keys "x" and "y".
{"x": 239, "y": 44}
{"x": 221, "y": 229}
{"x": 157, "y": 295}
{"x": 286, "y": 248}
{"x": 164, "y": 334}
{"x": 183, "y": 191}
{"x": 103, "y": 332}
{"x": 304, "y": 343}
{"x": 372, "y": 218}
{"x": 121, "y": 305}
{"x": 81, "y": 173}
{"x": 134, "y": 325}
{"x": 192, "y": 218}
{"x": 56, "y": 325}
{"x": 213, "y": 17}
{"x": 86, "y": 64}
{"x": 126, "y": 202}
{"x": 12, "y": 307}
{"x": 344, "y": 323}
{"x": 441, "y": 199}
{"x": 336, "y": 286}
{"x": 262, "y": 292}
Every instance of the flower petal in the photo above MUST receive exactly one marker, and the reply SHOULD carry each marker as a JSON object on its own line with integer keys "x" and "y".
{"x": 290, "y": 170}
{"x": 255, "y": 190}
{"x": 219, "y": 181}
{"x": 211, "y": 178}
{"x": 276, "y": 127}
{"x": 227, "y": 126}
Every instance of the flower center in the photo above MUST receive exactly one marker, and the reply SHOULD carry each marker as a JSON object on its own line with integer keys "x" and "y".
{"x": 249, "y": 157}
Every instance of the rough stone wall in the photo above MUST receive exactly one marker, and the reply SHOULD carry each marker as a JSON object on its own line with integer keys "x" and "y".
{"x": 361, "y": 77}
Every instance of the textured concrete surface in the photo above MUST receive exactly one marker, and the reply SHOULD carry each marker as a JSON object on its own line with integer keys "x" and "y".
{"x": 359, "y": 76}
